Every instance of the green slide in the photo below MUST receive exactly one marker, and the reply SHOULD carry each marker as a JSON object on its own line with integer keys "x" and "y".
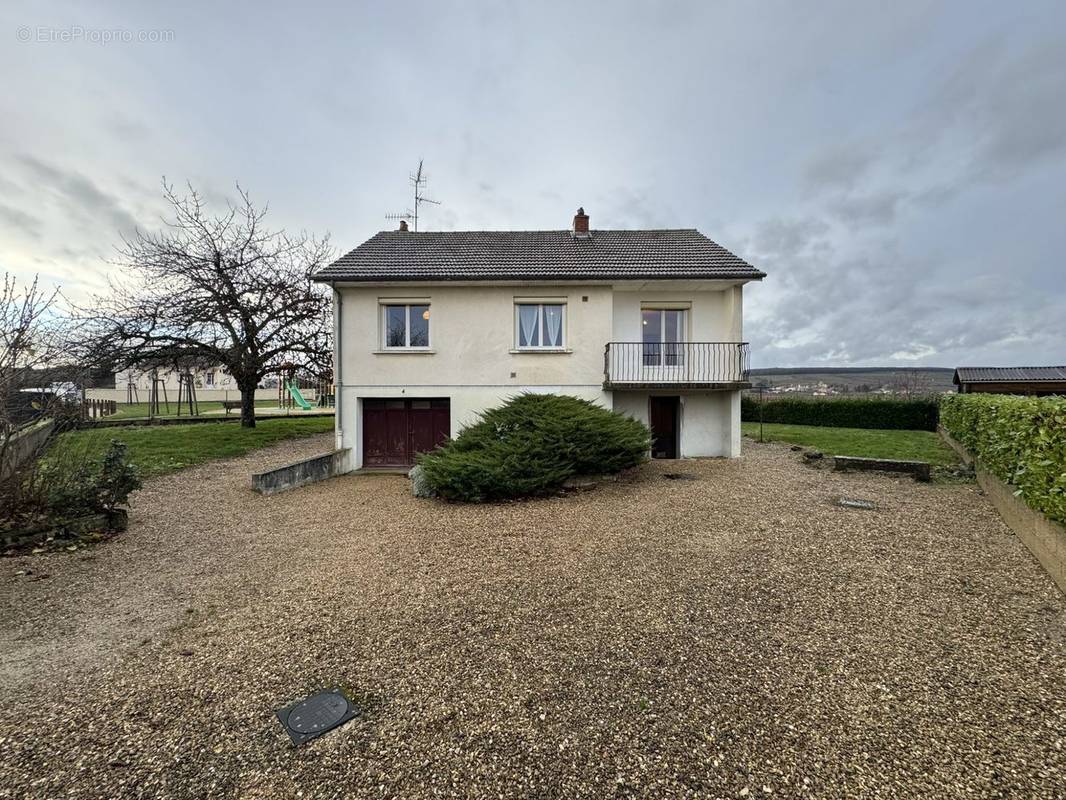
{"x": 294, "y": 390}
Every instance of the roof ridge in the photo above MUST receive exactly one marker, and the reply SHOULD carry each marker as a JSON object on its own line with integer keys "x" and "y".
{"x": 610, "y": 253}
{"x": 554, "y": 230}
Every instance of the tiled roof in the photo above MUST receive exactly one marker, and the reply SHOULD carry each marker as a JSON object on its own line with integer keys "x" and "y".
{"x": 1008, "y": 374}
{"x": 538, "y": 255}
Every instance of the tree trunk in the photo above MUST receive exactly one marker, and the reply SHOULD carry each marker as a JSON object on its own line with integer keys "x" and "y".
{"x": 247, "y": 390}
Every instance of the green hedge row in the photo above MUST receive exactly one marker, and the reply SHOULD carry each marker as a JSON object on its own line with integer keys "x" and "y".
{"x": 1021, "y": 440}
{"x": 918, "y": 414}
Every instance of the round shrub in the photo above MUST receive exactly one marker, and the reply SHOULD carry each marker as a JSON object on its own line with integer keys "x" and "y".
{"x": 531, "y": 445}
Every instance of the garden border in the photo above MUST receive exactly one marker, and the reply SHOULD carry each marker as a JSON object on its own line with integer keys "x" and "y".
{"x": 1045, "y": 538}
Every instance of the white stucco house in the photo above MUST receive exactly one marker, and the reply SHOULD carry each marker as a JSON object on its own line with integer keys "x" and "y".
{"x": 434, "y": 328}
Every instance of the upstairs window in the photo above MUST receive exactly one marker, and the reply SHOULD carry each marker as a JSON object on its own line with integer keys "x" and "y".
{"x": 540, "y": 326}
{"x": 406, "y": 325}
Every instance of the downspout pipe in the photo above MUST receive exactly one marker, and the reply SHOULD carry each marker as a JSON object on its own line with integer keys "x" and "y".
{"x": 338, "y": 384}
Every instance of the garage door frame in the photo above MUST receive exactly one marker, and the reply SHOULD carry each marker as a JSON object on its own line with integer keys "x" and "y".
{"x": 395, "y": 429}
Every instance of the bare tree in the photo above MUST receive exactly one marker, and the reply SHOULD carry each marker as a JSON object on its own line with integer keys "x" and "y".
{"x": 29, "y": 347}
{"x": 221, "y": 288}
{"x": 912, "y": 383}
{"x": 29, "y": 342}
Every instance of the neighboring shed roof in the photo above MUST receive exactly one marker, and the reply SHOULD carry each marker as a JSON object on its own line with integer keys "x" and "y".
{"x": 538, "y": 255}
{"x": 1009, "y": 374}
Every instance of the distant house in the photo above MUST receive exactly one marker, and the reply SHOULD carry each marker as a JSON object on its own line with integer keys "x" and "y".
{"x": 214, "y": 377}
{"x": 435, "y": 328}
{"x": 1037, "y": 381}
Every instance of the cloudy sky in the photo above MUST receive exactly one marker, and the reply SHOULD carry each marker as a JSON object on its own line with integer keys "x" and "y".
{"x": 899, "y": 169}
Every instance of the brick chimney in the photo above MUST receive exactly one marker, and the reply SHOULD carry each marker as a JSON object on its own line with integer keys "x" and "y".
{"x": 581, "y": 224}
{"x": 403, "y": 224}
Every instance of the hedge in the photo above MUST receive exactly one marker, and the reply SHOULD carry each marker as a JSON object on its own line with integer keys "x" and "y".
{"x": 918, "y": 414}
{"x": 1020, "y": 440}
{"x": 530, "y": 446}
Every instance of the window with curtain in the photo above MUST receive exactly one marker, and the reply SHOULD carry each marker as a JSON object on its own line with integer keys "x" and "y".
{"x": 406, "y": 325}
{"x": 539, "y": 325}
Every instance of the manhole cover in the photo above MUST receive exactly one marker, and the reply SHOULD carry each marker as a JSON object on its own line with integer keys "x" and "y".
{"x": 679, "y": 476}
{"x": 854, "y": 502}
{"x": 306, "y": 719}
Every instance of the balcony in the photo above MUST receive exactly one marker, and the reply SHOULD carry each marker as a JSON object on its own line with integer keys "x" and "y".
{"x": 676, "y": 365}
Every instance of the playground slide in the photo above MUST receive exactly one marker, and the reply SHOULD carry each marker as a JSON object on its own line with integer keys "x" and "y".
{"x": 294, "y": 390}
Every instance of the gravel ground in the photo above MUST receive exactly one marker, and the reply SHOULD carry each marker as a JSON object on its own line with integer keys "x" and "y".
{"x": 732, "y": 635}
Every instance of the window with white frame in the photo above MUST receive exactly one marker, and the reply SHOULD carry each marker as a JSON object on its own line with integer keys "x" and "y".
{"x": 405, "y": 325}
{"x": 540, "y": 326}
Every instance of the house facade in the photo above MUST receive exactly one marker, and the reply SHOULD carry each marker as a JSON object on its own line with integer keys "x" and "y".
{"x": 211, "y": 383}
{"x": 434, "y": 328}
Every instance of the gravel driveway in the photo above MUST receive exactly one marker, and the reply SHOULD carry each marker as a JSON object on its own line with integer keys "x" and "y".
{"x": 732, "y": 635}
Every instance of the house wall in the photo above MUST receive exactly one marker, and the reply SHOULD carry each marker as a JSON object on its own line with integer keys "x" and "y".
{"x": 714, "y": 316}
{"x": 472, "y": 336}
{"x": 142, "y": 379}
{"x": 710, "y": 421}
{"x": 1031, "y": 388}
{"x": 471, "y": 357}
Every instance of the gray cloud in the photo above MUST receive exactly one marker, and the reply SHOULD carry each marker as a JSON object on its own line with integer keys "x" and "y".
{"x": 899, "y": 171}
{"x": 20, "y": 221}
{"x": 77, "y": 194}
{"x": 840, "y": 166}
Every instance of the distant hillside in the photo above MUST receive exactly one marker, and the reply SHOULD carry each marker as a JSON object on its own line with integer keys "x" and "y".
{"x": 854, "y": 380}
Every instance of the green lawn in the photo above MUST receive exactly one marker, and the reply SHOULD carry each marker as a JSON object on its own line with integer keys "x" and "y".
{"x": 164, "y": 448}
{"x": 134, "y": 410}
{"x": 904, "y": 445}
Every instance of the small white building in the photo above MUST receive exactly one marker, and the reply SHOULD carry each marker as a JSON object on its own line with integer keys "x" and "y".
{"x": 215, "y": 377}
{"x": 434, "y": 328}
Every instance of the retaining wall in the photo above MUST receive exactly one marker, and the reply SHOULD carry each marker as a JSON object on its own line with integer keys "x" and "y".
{"x": 1045, "y": 538}
{"x": 310, "y": 470}
{"x": 25, "y": 444}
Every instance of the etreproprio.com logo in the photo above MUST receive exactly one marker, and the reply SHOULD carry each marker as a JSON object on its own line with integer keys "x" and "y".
{"x": 79, "y": 33}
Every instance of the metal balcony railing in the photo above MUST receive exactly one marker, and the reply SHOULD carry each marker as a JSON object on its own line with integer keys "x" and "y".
{"x": 675, "y": 364}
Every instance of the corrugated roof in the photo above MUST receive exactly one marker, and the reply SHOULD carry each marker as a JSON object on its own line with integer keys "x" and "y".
{"x": 1008, "y": 374}
{"x": 538, "y": 255}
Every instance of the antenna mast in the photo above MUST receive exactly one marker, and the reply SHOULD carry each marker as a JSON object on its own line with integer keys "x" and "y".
{"x": 418, "y": 181}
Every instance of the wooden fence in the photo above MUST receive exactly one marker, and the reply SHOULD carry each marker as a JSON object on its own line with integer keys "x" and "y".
{"x": 97, "y": 409}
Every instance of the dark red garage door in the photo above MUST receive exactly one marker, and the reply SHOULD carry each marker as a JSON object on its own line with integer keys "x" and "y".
{"x": 395, "y": 430}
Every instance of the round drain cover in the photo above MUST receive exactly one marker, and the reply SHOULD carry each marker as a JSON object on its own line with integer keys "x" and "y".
{"x": 318, "y": 712}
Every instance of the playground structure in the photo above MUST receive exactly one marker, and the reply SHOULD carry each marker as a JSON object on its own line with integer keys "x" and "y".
{"x": 326, "y": 390}
{"x": 290, "y": 396}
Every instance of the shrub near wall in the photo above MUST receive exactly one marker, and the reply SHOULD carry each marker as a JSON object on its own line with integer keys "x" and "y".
{"x": 1020, "y": 440}
{"x": 530, "y": 446}
{"x": 917, "y": 414}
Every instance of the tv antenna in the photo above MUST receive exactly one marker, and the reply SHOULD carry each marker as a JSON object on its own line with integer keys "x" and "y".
{"x": 418, "y": 181}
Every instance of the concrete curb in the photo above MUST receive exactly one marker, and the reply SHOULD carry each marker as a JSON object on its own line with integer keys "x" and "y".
{"x": 919, "y": 469}
{"x": 1045, "y": 538}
